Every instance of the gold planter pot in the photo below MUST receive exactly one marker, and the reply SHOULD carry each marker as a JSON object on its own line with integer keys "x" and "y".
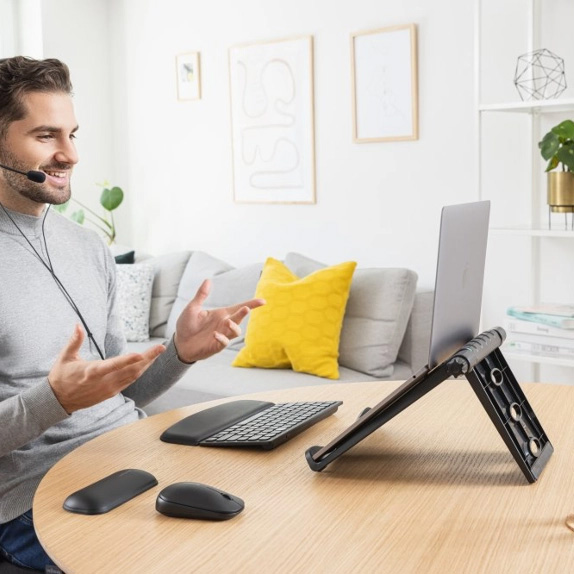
{"x": 561, "y": 191}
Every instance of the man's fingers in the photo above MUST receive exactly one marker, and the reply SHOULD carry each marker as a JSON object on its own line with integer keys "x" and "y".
{"x": 234, "y": 328}
{"x": 104, "y": 368}
{"x": 123, "y": 376}
{"x": 202, "y": 293}
{"x": 71, "y": 350}
{"x": 239, "y": 315}
{"x": 80, "y": 384}
{"x": 251, "y": 304}
{"x": 221, "y": 338}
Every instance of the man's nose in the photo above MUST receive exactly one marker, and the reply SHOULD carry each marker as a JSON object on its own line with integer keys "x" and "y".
{"x": 67, "y": 152}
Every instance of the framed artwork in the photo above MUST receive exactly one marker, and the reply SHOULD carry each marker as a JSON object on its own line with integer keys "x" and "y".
{"x": 188, "y": 76}
{"x": 272, "y": 120}
{"x": 385, "y": 90}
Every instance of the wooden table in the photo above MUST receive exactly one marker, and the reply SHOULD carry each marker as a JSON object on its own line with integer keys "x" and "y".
{"x": 434, "y": 490}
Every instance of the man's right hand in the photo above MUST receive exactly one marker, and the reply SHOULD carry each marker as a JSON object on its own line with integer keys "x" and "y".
{"x": 79, "y": 384}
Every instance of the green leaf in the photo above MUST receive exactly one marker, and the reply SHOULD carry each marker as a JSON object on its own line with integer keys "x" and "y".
{"x": 564, "y": 130}
{"x": 552, "y": 164}
{"x": 549, "y": 145}
{"x": 78, "y": 216}
{"x": 111, "y": 198}
{"x": 566, "y": 155}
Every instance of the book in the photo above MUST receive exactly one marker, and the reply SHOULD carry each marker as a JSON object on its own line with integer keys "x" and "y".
{"x": 544, "y": 318}
{"x": 539, "y": 349}
{"x": 517, "y": 326}
{"x": 559, "y": 309}
{"x": 565, "y": 342}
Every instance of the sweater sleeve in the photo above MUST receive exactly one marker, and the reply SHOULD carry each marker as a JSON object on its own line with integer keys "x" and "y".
{"x": 163, "y": 373}
{"x": 27, "y": 415}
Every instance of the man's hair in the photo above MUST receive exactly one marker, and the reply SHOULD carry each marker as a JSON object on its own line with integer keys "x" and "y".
{"x": 19, "y": 76}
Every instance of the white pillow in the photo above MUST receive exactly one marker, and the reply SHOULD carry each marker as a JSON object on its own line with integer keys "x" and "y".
{"x": 134, "y": 283}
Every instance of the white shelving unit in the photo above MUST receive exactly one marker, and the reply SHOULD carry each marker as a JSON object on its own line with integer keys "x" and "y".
{"x": 534, "y": 115}
{"x": 532, "y": 107}
{"x": 542, "y": 359}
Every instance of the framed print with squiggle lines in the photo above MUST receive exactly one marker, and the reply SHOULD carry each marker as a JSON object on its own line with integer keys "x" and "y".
{"x": 272, "y": 121}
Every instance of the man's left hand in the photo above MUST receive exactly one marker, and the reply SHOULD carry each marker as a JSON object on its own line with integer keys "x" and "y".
{"x": 200, "y": 333}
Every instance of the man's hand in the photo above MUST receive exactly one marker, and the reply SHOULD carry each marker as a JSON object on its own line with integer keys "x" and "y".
{"x": 200, "y": 333}
{"x": 79, "y": 384}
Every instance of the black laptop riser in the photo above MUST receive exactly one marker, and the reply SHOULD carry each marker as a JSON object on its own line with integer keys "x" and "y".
{"x": 485, "y": 368}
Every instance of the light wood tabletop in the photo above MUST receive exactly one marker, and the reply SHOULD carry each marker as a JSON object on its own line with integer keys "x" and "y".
{"x": 433, "y": 490}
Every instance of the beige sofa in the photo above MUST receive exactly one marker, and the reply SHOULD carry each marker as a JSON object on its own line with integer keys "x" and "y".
{"x": 385, "y": 333}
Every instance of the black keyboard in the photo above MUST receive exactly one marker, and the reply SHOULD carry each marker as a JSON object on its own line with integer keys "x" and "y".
{"x": 273, "y": 426}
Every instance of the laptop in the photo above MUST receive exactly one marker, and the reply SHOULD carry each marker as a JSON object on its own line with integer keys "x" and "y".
{"x": 459, "y": 278}
{"x": 455, "y": 319}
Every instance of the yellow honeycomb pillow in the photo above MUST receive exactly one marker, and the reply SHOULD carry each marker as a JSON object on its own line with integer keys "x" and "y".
{"x": 300, "y": 325}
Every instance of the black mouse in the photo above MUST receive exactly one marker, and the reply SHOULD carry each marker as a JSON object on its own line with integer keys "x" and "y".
{"x": 195, "y": 500}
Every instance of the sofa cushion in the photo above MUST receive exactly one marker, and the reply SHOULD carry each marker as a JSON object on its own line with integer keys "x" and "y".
{"x": 168, "y": 271}
{"x": 379, "y": 306}
{"x": 134, "y": 284}
{"x": 229, "y": 286}
{"x": 300, "y": 325}
{"x": 216, "y": 376}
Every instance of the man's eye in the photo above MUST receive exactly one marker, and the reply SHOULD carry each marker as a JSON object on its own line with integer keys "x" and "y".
{"x": 73, "y": 136}
{"x": 46, "y": 136}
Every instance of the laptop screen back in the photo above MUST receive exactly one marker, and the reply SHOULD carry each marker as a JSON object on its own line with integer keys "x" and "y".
{"x": 459, "y": 278}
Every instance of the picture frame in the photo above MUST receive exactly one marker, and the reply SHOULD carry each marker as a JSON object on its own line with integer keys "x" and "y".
{"x": 384, "y": 67}
{"x": 272, "y": 121}
{"x": 188, "y": 76}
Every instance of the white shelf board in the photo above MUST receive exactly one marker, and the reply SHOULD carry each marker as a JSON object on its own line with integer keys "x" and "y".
{"x": 542, "y": 359}
{"x": 529, "y": 232}
{"x": 533, "y": 106}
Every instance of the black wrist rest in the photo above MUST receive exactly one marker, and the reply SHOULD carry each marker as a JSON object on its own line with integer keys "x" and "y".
{"x": 193, "y": 429}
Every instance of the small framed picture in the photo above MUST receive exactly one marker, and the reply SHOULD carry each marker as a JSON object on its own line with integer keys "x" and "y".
{"x": 385, "y": 91}
{"x": 188, "y": 76}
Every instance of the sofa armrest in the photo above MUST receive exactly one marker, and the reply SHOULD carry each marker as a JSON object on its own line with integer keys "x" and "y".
{"x": 414, "y": 349}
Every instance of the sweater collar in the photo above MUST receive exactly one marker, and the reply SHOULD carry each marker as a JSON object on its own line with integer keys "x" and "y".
{"x": 30, "y": 225}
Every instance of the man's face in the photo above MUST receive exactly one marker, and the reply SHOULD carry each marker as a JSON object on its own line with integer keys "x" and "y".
{"x": 42, "y": 141}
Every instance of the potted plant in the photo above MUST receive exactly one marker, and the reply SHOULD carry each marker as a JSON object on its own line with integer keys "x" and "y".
{"x": 110, "y": 199}
{"x": 557, "y": 147}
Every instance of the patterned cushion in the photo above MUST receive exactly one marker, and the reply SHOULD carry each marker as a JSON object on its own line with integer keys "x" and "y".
{"x": 134, "y": 283}
{"x": 300, "y": 324}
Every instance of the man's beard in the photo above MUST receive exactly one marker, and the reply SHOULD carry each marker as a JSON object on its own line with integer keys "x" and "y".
{"x": 38, "y": 192}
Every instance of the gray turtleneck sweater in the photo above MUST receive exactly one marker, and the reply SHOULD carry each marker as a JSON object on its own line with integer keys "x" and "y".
{"x": 36, "y": 322}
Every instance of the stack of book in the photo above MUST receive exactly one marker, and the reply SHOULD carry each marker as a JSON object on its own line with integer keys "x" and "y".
{"x": 545, "y": 329}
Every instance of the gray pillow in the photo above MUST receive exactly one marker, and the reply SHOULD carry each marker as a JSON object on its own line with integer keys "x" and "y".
{"x": 376, "y": 316}
{"x": 168, "y": 271}
{"x": 229, "y": 286}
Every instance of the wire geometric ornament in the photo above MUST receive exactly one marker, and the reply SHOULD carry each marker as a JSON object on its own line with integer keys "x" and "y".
{"x": 539, "y": 75}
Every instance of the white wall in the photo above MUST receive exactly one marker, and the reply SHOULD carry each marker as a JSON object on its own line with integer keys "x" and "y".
{"x": 376, "y": 203}
{"x": 78, "y": 33}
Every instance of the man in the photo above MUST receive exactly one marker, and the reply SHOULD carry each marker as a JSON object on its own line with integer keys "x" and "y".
{"x": 59, "y": 387}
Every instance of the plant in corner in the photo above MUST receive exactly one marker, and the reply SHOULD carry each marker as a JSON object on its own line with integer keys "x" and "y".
{"x": 557, "y": 147}
{"x": 110, "y": 199}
